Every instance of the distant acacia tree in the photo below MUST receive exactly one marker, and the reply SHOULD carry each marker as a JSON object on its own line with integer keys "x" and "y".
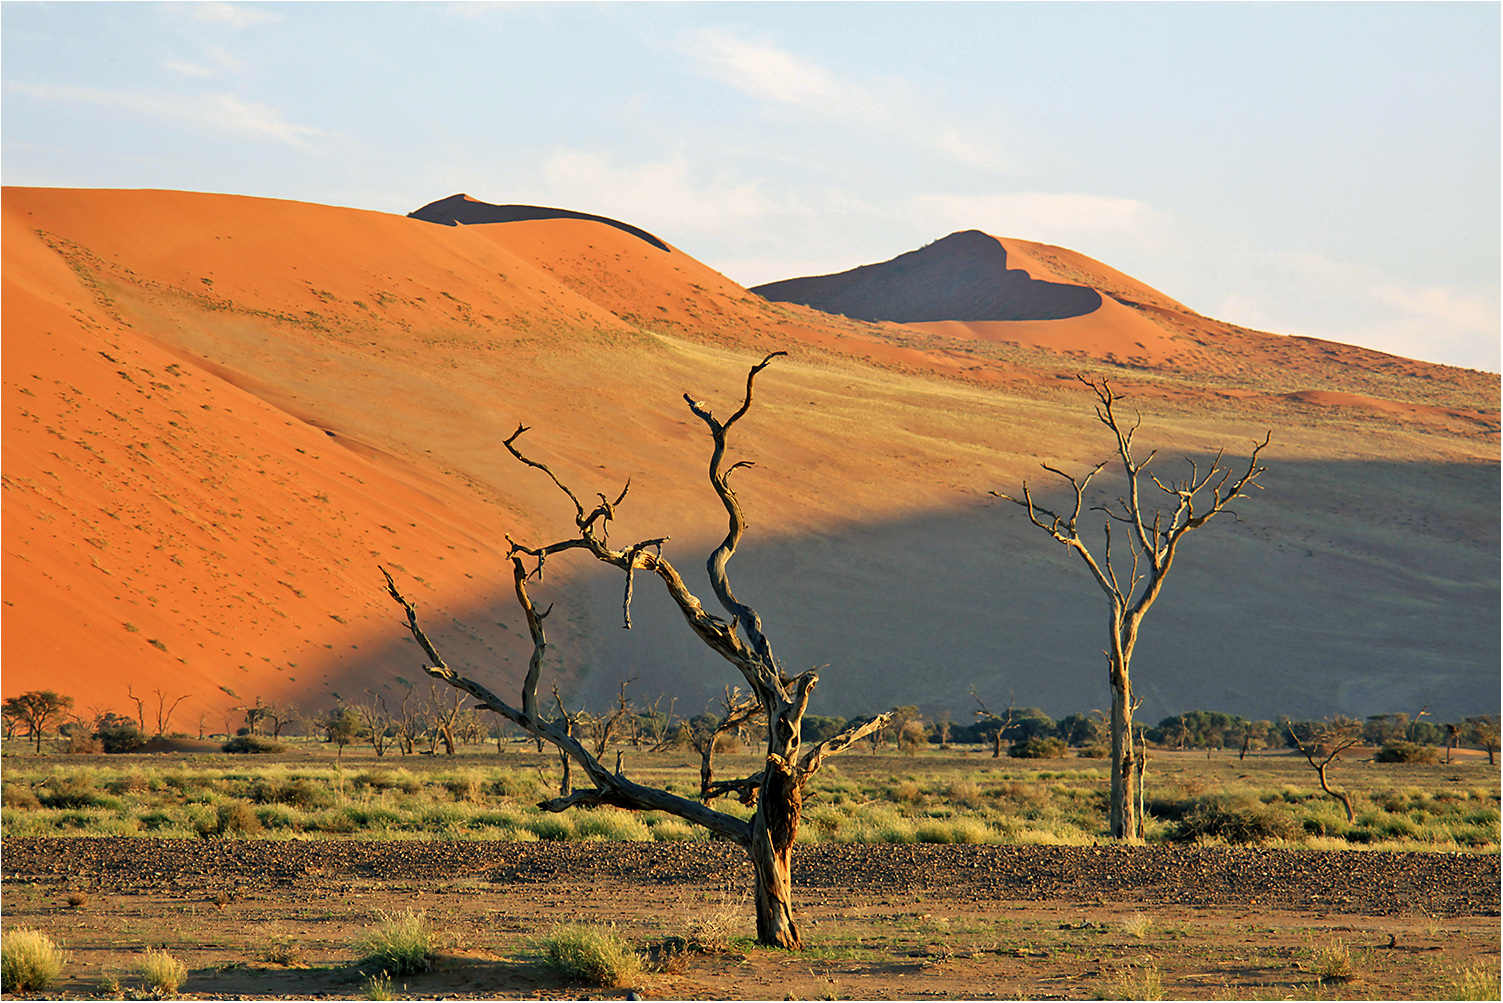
{"x": 1483, "y": 731}
{"x": 777, "y": 789}
{"x": 1323, "y": 745}
{"x": 1132, "y": 583}
{"x": 37, "y": 709}
{"x": 342, "y": 726}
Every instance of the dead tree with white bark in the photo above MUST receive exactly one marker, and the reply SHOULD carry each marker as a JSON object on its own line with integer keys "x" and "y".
{"x": 777, "y": 789}
{"x": 1132, "y": 582}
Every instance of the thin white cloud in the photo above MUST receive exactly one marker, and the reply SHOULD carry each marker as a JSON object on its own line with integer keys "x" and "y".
{"x": 660, "y": 194}
{"x": 188, "y": 69}
{"x": 222, "y": 59}
{"x": 762, "y": 70}
{"x": 233, "y": 15}
{"x": 775, "y": 75}
{"x": 219, "y": 111}
{"x": 969, "y": 150}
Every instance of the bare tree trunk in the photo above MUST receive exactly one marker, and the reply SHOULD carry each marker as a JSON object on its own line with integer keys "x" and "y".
{"x": 1133, "y": 583}
{"x": 774, "y": 828}
{"x": 1124, "y": 803}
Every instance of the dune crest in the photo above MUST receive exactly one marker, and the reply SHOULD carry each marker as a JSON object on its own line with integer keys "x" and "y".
{"x": 462, "y": 209}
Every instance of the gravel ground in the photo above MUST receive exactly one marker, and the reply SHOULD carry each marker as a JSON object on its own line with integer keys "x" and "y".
{"x": 1356, "y": 882}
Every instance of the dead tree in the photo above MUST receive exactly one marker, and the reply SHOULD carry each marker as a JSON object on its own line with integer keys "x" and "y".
{"x": 1133, "y": 583}
{"x": 140, "y": 706}
{"x": 164, "y": 712}
{"x": 1002, "y": 724}
{"x": 768, "y": 836}
{"x": 572, "y": 724}
{"x": 442, "y": 716}
{"x": 377, "y": 721}
{"x": 1329, "y": 740}
{"x": 739, "y": 709}
{"x": 603, "y": 727}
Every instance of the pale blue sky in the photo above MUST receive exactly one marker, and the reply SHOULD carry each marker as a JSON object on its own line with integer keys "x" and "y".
{"x": 1329, "y": 169}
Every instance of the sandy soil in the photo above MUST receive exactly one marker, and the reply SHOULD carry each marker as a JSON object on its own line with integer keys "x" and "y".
{"x": 880, "y": 922}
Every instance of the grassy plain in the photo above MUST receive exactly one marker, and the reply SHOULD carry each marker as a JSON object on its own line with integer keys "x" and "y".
{"x": 959, "y": 795}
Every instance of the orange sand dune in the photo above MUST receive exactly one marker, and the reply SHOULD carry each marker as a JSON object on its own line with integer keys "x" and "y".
{"x": 1134, "y": 326}
{"x": 222, "y": 413}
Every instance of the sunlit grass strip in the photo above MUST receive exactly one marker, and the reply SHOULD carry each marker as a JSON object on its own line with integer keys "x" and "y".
{"x": 910, "y": 801}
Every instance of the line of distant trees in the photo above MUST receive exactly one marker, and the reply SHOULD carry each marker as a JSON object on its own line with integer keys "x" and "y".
{"x": 426, "y": 723}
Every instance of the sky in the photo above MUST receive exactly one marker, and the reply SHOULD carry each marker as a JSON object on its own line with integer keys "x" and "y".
{"x": 1323, "y": 169}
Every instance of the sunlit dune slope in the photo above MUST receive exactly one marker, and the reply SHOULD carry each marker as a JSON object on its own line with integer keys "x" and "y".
{"x": 223, "y": 413}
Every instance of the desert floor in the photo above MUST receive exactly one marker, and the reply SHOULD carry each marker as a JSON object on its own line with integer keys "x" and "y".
{"x": 267, "y": 920}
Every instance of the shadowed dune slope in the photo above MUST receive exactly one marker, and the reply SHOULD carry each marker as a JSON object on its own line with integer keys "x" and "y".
{"x": 223, "y": 413}
{"x": 457, "y": 209}
{"x": 962, "y": 277}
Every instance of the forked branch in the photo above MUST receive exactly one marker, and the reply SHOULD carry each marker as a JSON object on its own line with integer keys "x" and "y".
{"x": 609, "y": 787}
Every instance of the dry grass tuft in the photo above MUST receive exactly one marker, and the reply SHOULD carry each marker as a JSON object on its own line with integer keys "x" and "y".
{"x": 592, "y": 954}
{"x": 164, "y": 974}
{"x": 29, "y": 960}
{"x": 1334, "y": 963}
{"x": 401, "y": 943}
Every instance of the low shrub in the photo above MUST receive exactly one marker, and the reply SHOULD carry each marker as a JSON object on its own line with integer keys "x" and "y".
{"x": 299, "y": 792}
{"x": 74, "y": 792}
{"x": 1399, "y": 751}
{"x": 19, "y": 796}
{"x": 1333, "y": 963}
{"x": 29, "y": 960}
{"x": 253, "y": 745}
{"x": 81, "y": 743}
{"x": 465, "y": 787}
{"x": 1231, "y": 820}
{"x": 591, "y": 954}
{"x": 553, "y": 827}
{"x": 120, "y": 738}
{"x": 232, "y": 818}
{"x": 1038, "y": 748}
{"x": 154, "y": 820}
{"x": 607, "y": 824}
{"x": 275, "y": 817}
{"x": 507, "y": 785}
{"x": 960, "y": 830}
{"x": 385, "y": 780}
{"x": 399, "y": 944}
{"x": 1475, "y": 983}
